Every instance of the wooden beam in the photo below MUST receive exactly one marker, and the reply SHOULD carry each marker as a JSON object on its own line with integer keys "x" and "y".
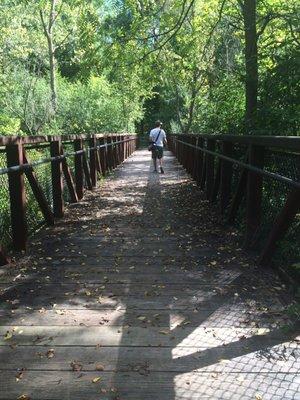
{"x": 281, "y": 225}
{"x": 238, "y": 197}
{"x": 17, "y": 197}
{"x": 217, "y": 181}
{"x": 98, "y": 163}
{"x": 203, "y": 173}
{"x": 57, "y": 179}
{"x": 110, "y": 160}
{"x": 103, "y": 159}
{"x": 254, "y": 194}
{"x": 93, "y": 167}
{"x": 226, "y": 177}
{"x": 210, "y": 167}
{"x": 78, "y": 146}
{"x": 38, "y": 192}
{"x": 69, "y": 180}
{"x": 87, "y": 174}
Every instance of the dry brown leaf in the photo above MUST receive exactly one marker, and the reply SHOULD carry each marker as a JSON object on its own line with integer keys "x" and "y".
{"x": 76, "y": 366}
{"x": 8, "y": 335}
{"x": 50, "y": 353}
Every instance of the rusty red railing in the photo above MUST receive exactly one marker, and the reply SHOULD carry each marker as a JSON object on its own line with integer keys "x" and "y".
{"x": 263, "y": 172}
{"x": 91, "y": 156}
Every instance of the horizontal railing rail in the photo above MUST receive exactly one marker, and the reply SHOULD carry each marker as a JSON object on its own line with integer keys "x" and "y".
{"x": 232, "y": 171}
{"x": 38, "y": 175}
{"x": 249, "y": 167}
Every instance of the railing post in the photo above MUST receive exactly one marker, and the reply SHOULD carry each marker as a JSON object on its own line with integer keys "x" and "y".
{"x": 122, "y": 148}
{"x": 109, "y": 153}
{"x": 93, "y": 165}
{"x": 57, "y": 180}
{"x": 281, "y": 225}
{"x": 184, "y": 152}
{"x": 200, "y": 161}
{"x": 113, "y": 152}
{"x": 226, "y": 176}
{"x": 254, "y": 194}
{"x": 210, "y": 166}
{"x": 125, "y": 147}
{"x": 14, "y": 154}
{"x": 195, "y": 159}
{"x": 118, "y": 150}
{"x": 189, "y": 153}
{"x": 102, "y": 155}
{"x": 78, "y": 146}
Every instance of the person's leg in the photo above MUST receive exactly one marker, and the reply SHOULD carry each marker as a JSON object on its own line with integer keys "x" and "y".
{"x": 154, "y": 158}
{"x": 161, "y": 155}
{"x": 155, "y": 164}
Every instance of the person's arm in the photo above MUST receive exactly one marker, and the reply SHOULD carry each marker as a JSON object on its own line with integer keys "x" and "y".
{"x": 165, "y": 139}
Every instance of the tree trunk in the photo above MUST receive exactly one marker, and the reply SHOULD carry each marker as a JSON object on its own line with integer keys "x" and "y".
{"x": 251, "y": 85}
{"x": 48, "y": 31}
{"x": 52, "y": 57}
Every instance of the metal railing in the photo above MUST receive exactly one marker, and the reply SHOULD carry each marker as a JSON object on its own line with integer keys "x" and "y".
{"x": 38, "y": 175}
{"x": 255, "y": 180}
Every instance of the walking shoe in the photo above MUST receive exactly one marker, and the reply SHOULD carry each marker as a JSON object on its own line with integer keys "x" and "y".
{"x": 155, "y": 171}
{"x": 162, "y": 170}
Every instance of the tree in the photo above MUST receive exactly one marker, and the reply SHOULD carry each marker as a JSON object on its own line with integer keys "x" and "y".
{"x": 48, "y": 28}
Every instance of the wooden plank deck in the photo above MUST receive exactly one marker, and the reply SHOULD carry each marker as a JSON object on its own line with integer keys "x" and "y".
{"x": 140, "y": 293}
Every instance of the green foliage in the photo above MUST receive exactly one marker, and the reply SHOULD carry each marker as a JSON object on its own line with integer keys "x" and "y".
{"x": 120, "y": 61}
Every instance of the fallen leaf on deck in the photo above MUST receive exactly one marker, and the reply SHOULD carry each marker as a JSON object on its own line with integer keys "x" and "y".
{"x": 8, "y": 335}
{"x": 99, "y": 367}
{"x": 76, "y": 366}
{"x": 95, "y": 380}
{"x": 50, "y": 353}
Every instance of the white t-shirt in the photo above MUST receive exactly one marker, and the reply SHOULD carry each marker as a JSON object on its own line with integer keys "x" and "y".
{"x": 162, "y": 136}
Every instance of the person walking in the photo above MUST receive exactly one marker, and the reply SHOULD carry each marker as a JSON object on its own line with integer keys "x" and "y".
{"x": 158, "y": 139}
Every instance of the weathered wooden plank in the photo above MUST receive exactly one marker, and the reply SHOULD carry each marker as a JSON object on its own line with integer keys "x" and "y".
{"x": 154, "y": 359}
{"x": 133, "y": 336}
{"x": 240, "y": 314}
{"x": 45, "y": 385}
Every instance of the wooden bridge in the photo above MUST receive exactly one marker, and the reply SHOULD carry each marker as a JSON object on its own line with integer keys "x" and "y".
{"x": 139, "y": 288}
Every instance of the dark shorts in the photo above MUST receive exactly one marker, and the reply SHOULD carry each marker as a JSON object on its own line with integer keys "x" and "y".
{"x": 158, "y": 152}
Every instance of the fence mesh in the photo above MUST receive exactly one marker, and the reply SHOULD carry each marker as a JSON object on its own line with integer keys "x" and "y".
{"x": 274, "y": 196}
{"x": 34, "y": 216}
{"x": 5, "y": 226}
